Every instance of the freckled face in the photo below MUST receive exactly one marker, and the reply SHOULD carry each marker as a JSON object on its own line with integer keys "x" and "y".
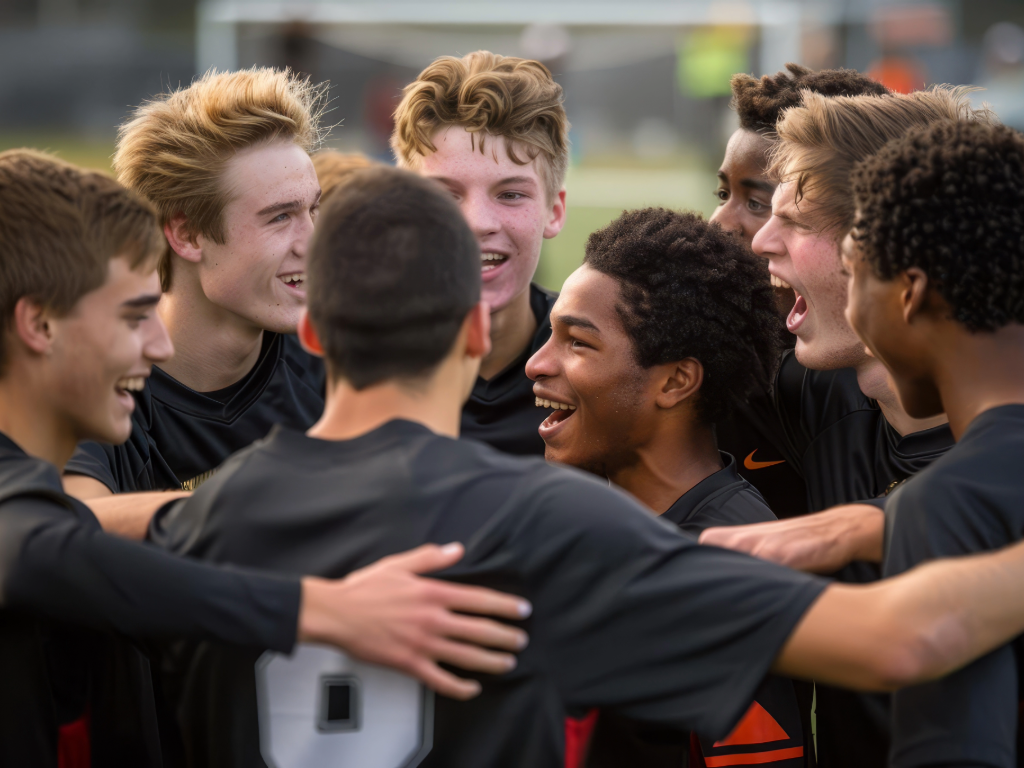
{"x": 588, "y": 364}
{"x": 505, "y": 204}
{"x": 808, "y": 260}
{"x": 258, "y": 273}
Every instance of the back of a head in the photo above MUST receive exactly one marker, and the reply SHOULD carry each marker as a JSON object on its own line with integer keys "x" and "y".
{"x": 174, "y": 149}
{"x": 759, "y": 103}
{"x": 60, "y": 227}
{"x": 393, "y": 271}
{"x": 821, "y": 141}
{"x": 334, "y": 168}
{"x": 949, "y": 199}
{"x": 690, "y": 289}
{"x": 489, "y": 95}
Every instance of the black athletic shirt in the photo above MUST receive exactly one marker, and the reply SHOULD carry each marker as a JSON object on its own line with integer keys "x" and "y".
{"x": 628, "y": 613}
{"x": 501, "y": 411}
{"x": 839, "y": 441}
{"x": 771, "y": 731}
{"x": 970, "y": 500}
{"x": 66, "y": 588}
{"x": 179, "y": 436}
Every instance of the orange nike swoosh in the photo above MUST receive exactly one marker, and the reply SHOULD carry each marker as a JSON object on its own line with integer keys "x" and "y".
{"x": 749, "y": 462}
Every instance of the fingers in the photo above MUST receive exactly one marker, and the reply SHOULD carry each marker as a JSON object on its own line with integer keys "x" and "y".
{"x": 471, "y": 658}
{"x": 487, "y": 602}
{"x": 426, "y": 558}
{"x": 491, "y": 634}
{"x": 445, "y": 683}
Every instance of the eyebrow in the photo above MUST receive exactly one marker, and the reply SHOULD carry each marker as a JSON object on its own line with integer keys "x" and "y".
{"x": 762, "y": 186}
{"x": 515, "y": 180}
{"x": 578, "y": 322}
{"x": 147, "y": 300}
{"x": 291, "y": 205}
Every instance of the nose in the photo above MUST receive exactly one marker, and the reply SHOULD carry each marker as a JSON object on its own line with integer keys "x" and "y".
{"x": 480, "y": 214}
{"x": 768, "y": 242}
{"x": 542, "y": 364}
{"x": 725, "y": 216}
{"x": 157, "y": 346}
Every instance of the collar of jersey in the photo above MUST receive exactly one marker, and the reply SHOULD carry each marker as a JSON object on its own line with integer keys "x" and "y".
{"x": 690, "y": 501}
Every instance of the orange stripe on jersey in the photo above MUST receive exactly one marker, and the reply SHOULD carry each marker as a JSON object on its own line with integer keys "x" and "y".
{"x": 755, "y": 758}
{"x": 756, "y": 727}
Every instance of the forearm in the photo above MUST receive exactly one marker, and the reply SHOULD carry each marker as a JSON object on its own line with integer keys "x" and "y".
{"x": 128, "y": 514}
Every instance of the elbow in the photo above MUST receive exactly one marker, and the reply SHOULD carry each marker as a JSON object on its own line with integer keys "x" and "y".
{"x": 918, "y": 654}
{"x": 895, "y": 667}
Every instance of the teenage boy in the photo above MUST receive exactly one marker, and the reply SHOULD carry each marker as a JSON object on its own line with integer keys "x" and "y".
{"x": 745, "y": 203}
{"x": 638, "y": 375}
{"x": 941, "y": 304}
{"x": 77, "y": 288}
{"x": 492, "y": 130}
{"x": 629, "y": 613}
{"x": 844, "y": 428}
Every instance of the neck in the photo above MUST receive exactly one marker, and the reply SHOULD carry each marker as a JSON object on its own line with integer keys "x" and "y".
{"x": 349, "y": 413}
{"x": 27, "y": 419}
{"x": 668, "y": 466}
{"x": 512, "y": 330}
{"x": 874, "y": 382}
{"x": 213, "y": 348}
{"x": 976, "y": 372}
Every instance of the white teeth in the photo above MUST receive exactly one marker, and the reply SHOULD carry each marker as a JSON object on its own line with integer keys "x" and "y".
{"x": 295, "y": 278}
{"x": 540, "y": 402}
{"x": 778, "y": 282}
{"x": 492, "y": 257}
{"x": 132, "y": 383}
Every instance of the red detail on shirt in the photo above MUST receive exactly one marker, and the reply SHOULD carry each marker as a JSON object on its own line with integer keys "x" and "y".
{"x": 73, "y": 747}
{"x": 756, "y": 727}
{"x": 755, "y": 758}
{"x": 577, "y": 738}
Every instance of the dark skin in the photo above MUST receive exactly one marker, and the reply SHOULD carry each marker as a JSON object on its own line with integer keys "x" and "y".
{"x": 936, "y": 364}
{"x": 636, "y": 426}
{"x": 745, "y": 195}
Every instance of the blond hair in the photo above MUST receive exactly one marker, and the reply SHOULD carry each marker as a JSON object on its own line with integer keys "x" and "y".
{"x": 488, "y": 95}
{"x": 60, "y": 228}
{"x": 821, "y": 141}
{"x": 174, "y": 149}
{"x": 333, "y": 168}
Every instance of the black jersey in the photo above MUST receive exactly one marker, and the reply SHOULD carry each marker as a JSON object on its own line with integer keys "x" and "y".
{"x": 970, "y": 500}
{"x": 179, "y": 436}
{"x": 841, "y": 443}
{"x": 629, "y": 613}
{"x": 771, "y": 731}
{"x": 501, "y": 411}
{"x": 69, "y": 594}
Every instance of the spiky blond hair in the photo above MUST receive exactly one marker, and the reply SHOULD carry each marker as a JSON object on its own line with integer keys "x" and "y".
{"x": 488, "y": 95}
{"x": 821, "y": 141}
{"x": 174, "y": 149}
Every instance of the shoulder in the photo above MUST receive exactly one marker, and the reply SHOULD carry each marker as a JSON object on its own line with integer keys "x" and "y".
{"x": 24, "y": 475}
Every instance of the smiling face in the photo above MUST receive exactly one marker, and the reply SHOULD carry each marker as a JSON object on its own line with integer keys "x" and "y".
{"x": 104, "y": 349}
{"x": 808, "y": 260}
{"x": 875, "y": 310}
{"x": 603, "y": 401}
{"x": 505, "y": 204}
{"x": 258, "y": 272}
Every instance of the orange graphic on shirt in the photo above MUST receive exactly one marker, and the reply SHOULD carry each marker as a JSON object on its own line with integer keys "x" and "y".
{"x": 749, "y": 462}
{"x": 756, "y": 727}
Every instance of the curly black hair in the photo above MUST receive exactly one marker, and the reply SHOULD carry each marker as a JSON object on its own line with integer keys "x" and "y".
{"x": 690, "y": 289}
{"x": 948, "y": 198}
{"x": 760, "y": 102}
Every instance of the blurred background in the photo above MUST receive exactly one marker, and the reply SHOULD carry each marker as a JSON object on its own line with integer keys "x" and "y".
{"x": 646, "y": 81}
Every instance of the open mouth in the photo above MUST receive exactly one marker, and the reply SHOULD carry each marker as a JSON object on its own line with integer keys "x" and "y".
{"x": 560, "y": 412}
{"x": 490, "y": 261}
{"x": 131, "y": 384}
{"x": 797, "y": 314}
{"x": 296, "y": 280}
{"x": 778, "y": 282}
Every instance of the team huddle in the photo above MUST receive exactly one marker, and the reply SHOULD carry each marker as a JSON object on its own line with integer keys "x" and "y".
{"x": 252, "y": 394}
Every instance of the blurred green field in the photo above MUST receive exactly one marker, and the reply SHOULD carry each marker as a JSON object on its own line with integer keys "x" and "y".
{"x": 595, "y": 194}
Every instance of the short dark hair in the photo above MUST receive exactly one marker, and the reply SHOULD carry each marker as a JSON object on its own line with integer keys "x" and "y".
{"x": 760, "y": 102}
{"x": 393, "y": 271}
{"x": 59, "y": 228}
{"x": 948, "y": 198}
{"x": 690, "y": 289}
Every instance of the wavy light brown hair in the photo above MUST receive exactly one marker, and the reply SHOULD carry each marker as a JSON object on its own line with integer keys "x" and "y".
{"x": 60, "y": 227}
{"x": 334, "y": 168}
{"x": 173, "y": 150}
{"x": 821, "y": 141}
{"x": 488, "y": 95}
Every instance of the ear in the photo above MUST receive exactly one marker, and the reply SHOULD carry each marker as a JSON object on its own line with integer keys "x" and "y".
{"x": 308, "y": 337}
{"x": 682, "y": 381}
{"x": 182, "y": 241}
{"x": 32, "y": 325}
{"x": 557, "y": 220}
{"x": 913, "y": 293}
{"x": 478, "y": 331}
